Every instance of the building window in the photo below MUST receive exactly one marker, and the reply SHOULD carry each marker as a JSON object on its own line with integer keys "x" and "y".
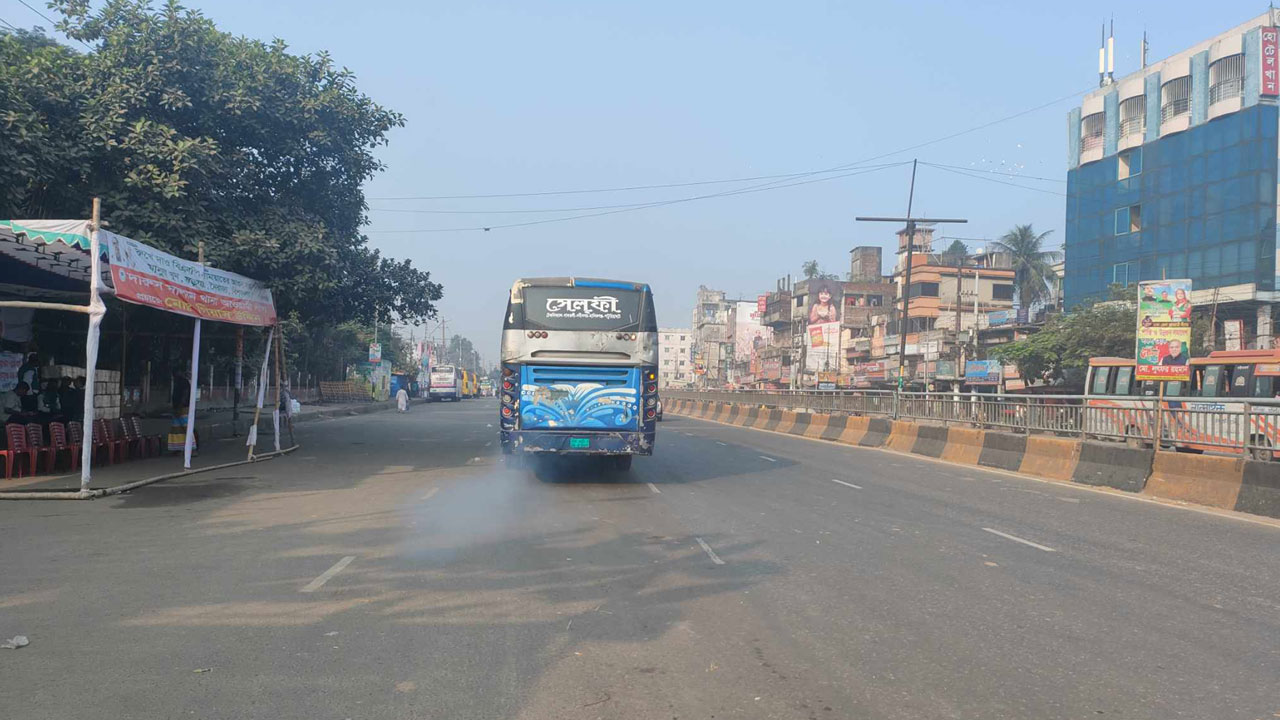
{"x": 1124, "y": 273}
{"x": 924, "y": 289}
{"x": 1226, "y": 78}
{"x": 1092, "y": 129}
{"x": 681, "y": 338}
{"x": 1175, "y": 98}
{"x": 1129, "y": 163}
{"x": 1128, "y": 219}
{"x": 1133, "y": 115}
{"x": 1001, "y": 292}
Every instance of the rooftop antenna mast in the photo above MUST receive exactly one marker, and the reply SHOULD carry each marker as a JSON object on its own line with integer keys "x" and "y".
{"x": 1145, "y": 46}
{"x": 1102, "y": 57}
{"x": 1111, "y": 54}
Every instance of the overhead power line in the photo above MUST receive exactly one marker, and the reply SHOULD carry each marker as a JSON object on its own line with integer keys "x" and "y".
{"x": 775, "y": 185}
{"x": 648, "y": 203}
{"x": 8, "y": 24}
{"x": 993, "y": 180}
{"x": 994, "y": 172}
{"x": 809, "y": 173}
{"x": 53, "y": 25}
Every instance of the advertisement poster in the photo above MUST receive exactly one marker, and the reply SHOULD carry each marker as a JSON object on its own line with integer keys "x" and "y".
{"x": 375, "y": 352}
{"x": 761, "y": 302}
{"x": 749, "y": 335}
{"x": 823, "y": 325}
{"x": 9, "y": 364}
{"x": 1164, "y": 330}
{"x": 996, "y": 318}
{"x": 982, "y": 372}
{"x": 146, "y": 276}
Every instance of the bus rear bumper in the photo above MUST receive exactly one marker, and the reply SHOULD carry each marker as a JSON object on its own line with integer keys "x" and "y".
{"x": 557, "y": 442}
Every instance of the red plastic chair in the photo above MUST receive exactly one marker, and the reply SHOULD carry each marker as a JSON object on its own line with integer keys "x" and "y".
{"x": 134, "y": 445}
{"x": 37, "y": 445}
{"x": 58, "y": 434}
{"x": 75, "y": 431}
{"x": 152, "y": 443}
{"x": 102, "y": 441}
{"x": 17, "y": 436}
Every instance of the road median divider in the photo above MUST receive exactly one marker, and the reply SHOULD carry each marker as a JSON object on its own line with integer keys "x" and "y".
{"x": 1112, "y": 465}
{"x": 1229, "y": 483}
{"x": 1050, "y": 457}
{"x": 1201, "y": 479}
{"x": 964, "y": 445}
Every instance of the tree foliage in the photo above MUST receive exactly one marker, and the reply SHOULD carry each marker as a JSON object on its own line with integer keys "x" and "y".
{"x": 1031, "y": 262}
{"x": 188, "y": 133}
{"x": 955, "y": 254}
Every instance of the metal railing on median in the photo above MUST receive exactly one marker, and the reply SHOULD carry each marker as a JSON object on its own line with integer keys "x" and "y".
{"x": 1234, "y": 425}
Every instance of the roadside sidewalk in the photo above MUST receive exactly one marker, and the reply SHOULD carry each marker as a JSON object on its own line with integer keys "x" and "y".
{"x": 217, "y": 447}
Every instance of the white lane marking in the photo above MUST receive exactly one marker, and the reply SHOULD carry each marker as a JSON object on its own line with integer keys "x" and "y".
{"x": 654, "y": 488}
{"x": 710, "y": 553}
{"x": 720, "y": 443}
{"x": 766, "y": 457}
{"x": 855, "y": 487}
{"x": 488, "y": 443}
{"x": 328, "y": 574}
{"x": 1015, "y": 538}
{"x": 431, "y": 492}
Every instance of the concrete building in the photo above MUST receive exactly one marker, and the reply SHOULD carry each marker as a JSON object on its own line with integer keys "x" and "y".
{"x": 1173, "y": 173}
{"x": 777, "y": 358}
{"x": 712, "y": 347}
{"x": 943, "y": 299}
{"x": 675, "y": 357}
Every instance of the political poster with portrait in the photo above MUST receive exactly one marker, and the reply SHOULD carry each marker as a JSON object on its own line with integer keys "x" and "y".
{"x": 1164, "y": 330}
{"x": 749, "y": 335}
{"x": 823, "y": 325}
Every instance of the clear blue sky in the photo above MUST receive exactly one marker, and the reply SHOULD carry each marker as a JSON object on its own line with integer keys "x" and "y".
{"x": 504, "y": 97}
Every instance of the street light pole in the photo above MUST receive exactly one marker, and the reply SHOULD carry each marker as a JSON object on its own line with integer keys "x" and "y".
{"x": 911, "y": 223}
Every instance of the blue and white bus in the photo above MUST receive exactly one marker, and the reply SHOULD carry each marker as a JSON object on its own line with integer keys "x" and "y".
{"x": 579, "y": 369}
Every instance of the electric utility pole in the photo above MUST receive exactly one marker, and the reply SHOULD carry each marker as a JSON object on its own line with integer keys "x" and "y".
{"x": 906, "y": 281}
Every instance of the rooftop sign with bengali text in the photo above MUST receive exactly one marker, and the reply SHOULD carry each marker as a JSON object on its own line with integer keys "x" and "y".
{"x": 147, "y": 276}
{"x": 1270, "y": 74}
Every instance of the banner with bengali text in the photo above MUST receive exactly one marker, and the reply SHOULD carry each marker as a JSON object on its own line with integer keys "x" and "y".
{"x": 147, "y": 276}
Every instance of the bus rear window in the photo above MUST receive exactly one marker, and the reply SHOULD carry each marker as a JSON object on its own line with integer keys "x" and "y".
{"x": 1211, "y": 381}
{"x": 1124, "y": 378}
{"x": 581, "y": 308}
{"x": 1100, "y": 377}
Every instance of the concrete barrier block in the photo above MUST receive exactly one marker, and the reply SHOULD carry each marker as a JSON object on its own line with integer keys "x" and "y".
{"x": 1210, "y": 480}
{"x": 770, "y": 419}
{"x": 1112, "y": 465}
{"x": 1002, "y": 450}
{"x": 817, "y": 426}
{"x": 722, "y": 412}
{"x": 855, "y": 429}
{"x": 1260, "y": 489}
{"x": 835, "y": 427}
{"x": 877, "y": 433}
{"x": 735, "y": 417}
{"x": 902, "y": 437}
{"x": 786, "y": 421}
{"x": 964, "y": 445}
{"x": 801, "y": 424}
{"x": 1050, "y": 457}
{"x": 752, "y": 417}
{"x": 930, "y": 441}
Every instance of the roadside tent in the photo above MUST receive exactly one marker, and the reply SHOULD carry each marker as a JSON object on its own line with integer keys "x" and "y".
{"x": 58, "y": 264}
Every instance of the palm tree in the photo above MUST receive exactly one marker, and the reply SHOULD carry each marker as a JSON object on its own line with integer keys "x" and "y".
{"x": 1032, "y": 265}
{"x": 810, "y": 269}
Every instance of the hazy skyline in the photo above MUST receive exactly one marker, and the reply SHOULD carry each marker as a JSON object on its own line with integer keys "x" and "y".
{"x": 506, "y": 97}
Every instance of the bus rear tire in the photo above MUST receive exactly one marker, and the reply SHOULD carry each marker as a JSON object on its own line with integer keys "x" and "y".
{"x": 622, "y": 463}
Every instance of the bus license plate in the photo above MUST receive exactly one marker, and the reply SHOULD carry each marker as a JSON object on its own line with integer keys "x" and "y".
{"x": 577, "y": 443}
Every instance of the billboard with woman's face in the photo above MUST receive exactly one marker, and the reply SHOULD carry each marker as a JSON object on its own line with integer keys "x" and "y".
{"x": 824, "y": 300}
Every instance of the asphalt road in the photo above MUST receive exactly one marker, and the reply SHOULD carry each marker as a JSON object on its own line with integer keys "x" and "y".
{"x": 395, "y": 568}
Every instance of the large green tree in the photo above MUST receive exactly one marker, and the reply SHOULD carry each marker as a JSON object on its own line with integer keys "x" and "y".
{"x": 1032, "y": 264}
{"x": 189, "y": 133}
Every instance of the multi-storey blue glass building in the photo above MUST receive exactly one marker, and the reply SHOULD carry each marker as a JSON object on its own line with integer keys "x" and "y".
{"x": 1173, "y": 173}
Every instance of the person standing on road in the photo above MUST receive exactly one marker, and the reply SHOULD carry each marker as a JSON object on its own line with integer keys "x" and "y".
{"x": 402, "y": 400}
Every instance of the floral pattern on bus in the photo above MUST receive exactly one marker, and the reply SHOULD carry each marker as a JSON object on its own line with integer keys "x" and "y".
{"x": 585, "y": 405}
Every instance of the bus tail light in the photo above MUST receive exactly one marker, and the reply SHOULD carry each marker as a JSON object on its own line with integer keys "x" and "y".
{"x": 506, "y": 412}
{"x": 510, "y": 396}
{"x": 650, "y": 414}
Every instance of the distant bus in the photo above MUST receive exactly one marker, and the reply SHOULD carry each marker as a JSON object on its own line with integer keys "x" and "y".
{"x": 445, "y": 383}
{"x": 579, "y": 369}
{"x": 486, "y": 388}
{"x": 1205, "y": 413}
